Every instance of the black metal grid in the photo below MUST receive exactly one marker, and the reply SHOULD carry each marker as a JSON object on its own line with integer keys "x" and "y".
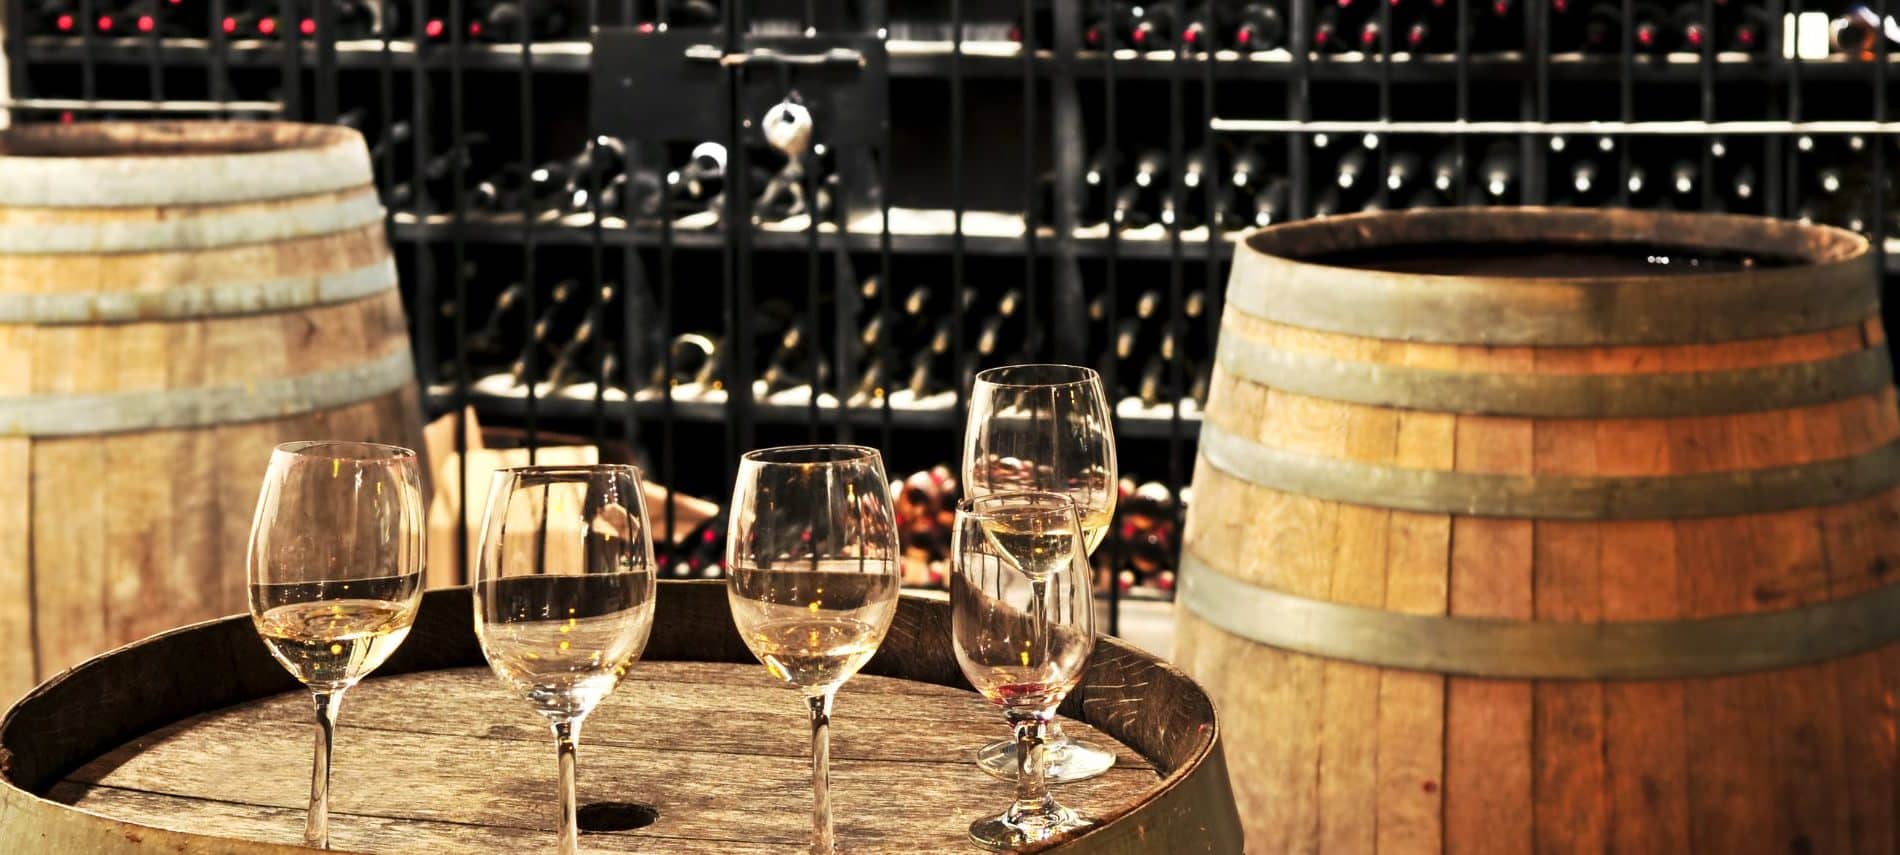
{"x": 1069, "y": 101}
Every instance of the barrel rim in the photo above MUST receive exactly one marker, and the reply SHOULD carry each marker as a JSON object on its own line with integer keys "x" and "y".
{"x": 1201, "y": 773}
{"x": 234, "y": 162}
{"x": 1812, "y": 244}
{"x": 1831, "y": 285}
{"x": 199, "y": 139}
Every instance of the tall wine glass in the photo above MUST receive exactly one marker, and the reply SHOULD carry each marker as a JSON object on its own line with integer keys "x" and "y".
{"x": 812, "y": 564}
{"x": 1023, "y": 623}
{"x": 564, "y": 592}
{"x": 1044, "y": 427}
{"x": 335, "y": 567}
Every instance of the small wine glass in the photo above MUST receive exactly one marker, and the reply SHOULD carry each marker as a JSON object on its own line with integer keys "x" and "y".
{"x": 564, "y": 593}
{"x": 335, "y": 567}
{"x": 1023, "y": 622}
{"x": 812, "y": 579}
{"x": 1044, "y": 427}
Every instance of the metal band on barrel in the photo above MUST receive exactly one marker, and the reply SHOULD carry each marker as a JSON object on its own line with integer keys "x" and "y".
{"x": 198, "y": 301}
{"x": 1555, "y": 497}
{"x": 1525, "y": 650}
{"x": 1578, "y": 396}
{"x": 200, "y": 231}
{"x": 1685, "y": 309}
{"x": 161, "y": 409}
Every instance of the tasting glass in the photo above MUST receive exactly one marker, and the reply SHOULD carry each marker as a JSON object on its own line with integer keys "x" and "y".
{"x": 1044, "y": 427}
{"x": 812, "y": 578}
{"x": 335, "y": 572}
{"x": 564, "y": 592}
{"x": 1022, "y": 622}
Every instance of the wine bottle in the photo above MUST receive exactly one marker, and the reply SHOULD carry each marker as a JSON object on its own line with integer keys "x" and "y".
{"x": 1690, "y": 31}
{"x": 1100, "y": 171}
{"x": 506, "y": 21}
{"x": 1650, "y": 29}
{"x": 790, "y": 365}
{"x": 1327, "y": 35}
{"x": 1154, "y": 27}
{"x": 1497, "y": 172}
{"x": 1585, "y": 179}
{"x": 1260, "y": 27}
{"x": 56, "y": 17}
{"x": 1250, "y": 167}
{"x": 1447, "y": 167}
{"x": 486, "y": 339}
{"x": 1111, "y": 32}
{"x": 1403, "y": 173}
{"x": 1150, "y": 166}
{"x": 702, "y": 179}
{"x": 435, "y": 184}
{"x": 1422, "y": 37}
{"x": 1043, "y": 18}
{"x": 1351, "y": 166}
{"x": 1133, "y": 208}
{"x": 1741, "y": 190}
{"x": 1328, "y": 203}
{"x": 1684, "y": 177}
{"x": 1750, "y": 33}
{"x": 1602, "y": 31}
{"x": 1371, "y": 36}
{"x": 1205, "y": 28}
{"x": 568, "y": 359}
{"x": 1270, "y": 204}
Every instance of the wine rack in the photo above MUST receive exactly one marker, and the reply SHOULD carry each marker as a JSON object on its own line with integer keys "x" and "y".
{"x": 597, "y": 234}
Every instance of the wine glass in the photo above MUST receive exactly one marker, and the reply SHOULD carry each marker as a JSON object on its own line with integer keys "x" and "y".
{"x": 564, "y": 592}
{"x": 812, "y": 578}
{"x": 1022, "y": 621}
{"x": 335, "y": 567}
{"x": 1044, "y": 427}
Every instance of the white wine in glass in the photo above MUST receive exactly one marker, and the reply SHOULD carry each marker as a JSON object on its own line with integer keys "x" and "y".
{"x": 335, "y": 571}
{"x": 812, "y": 579}
{"x": 564, "y": 596}
{"x": 1022, "y": 628}
{"x": 1044, "y": 428}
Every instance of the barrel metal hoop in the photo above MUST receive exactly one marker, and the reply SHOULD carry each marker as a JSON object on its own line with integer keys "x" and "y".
{"x": 199, "y": 301}
{"x": 164, "y": 409}
{"x": 1576, "y": 396}
{"x": 171, "y": 181}
{"x": 1552, "y": 312}
{"x": 1541, "y": 650}
{"x": 1554, "y": 497}
{"x": 205, "y": 231}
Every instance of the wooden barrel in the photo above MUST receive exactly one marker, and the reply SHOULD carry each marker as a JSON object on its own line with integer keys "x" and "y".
{"x": 175, "y": 299}
{"x": 699, "y": 751}
{"x": 1551, "y": 531}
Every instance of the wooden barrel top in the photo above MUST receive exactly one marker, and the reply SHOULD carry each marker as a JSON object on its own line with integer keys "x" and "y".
{"x": 453, "y": 761}
{"x": 439, "y": 756}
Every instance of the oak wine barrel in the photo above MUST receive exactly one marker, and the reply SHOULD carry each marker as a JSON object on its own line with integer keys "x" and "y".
{"x": 1551, "y": 531}
{"x": 175, "y": 299}
{"x": 197, "y": 741}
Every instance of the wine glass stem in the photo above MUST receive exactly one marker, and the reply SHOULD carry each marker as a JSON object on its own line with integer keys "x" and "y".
{"x": 316, "y": 829}
{"x": 821, "y": 839}
{"x": 1032, "y": 791}
{"x": 567, "y": 734}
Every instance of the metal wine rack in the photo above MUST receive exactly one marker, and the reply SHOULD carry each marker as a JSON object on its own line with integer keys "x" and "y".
{"x": 939, "y": 125}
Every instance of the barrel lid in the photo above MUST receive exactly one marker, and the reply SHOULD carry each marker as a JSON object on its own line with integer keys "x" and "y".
{"x": 1778, "y": 278}
{"x": 136, "y": 164}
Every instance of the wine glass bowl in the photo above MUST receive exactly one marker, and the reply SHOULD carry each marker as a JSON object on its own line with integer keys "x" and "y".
{"x": 564, "y": 595}
{"x": 1045, "y": 428}
{"x": 812, "y": 578}
{"x": 1022, "y": 625}
{"x": 334, "y": 567}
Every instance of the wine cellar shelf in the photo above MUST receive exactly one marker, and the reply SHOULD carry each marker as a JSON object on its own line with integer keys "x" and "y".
{"x": 590, "y": 201}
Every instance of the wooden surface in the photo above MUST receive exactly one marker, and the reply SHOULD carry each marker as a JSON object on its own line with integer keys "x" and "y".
{"x": 196, "y": 741}
{"x": 453, "y": 760}
{"x": 136, "y": 531}
{"x": 1336, "y": 755}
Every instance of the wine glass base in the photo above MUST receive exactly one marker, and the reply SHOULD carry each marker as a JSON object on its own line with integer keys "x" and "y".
{"x": 1065, "y": 762}
{"x": 998, "y": 833}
